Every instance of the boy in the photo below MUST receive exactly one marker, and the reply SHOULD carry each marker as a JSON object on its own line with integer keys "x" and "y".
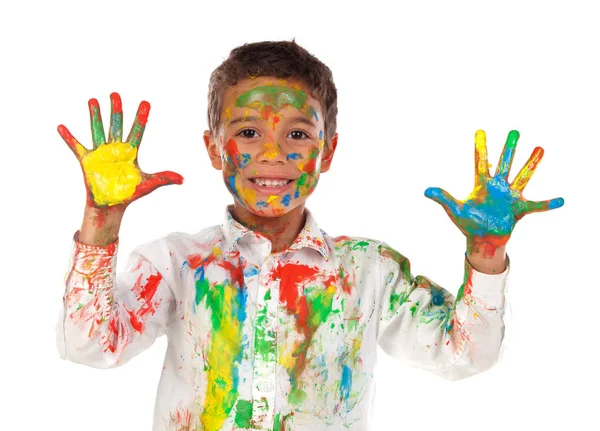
{"x": 271, "y": 323}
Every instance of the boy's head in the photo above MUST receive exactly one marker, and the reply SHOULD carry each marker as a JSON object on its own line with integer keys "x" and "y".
{"x": 272, "y": 110}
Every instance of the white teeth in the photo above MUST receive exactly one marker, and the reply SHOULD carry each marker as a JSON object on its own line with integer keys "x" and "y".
{"x": 267, "y": 182}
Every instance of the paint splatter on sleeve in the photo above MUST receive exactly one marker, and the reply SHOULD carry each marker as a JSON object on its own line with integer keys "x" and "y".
{"x": 425, "y": 326}
{"x": 106, "y": 319}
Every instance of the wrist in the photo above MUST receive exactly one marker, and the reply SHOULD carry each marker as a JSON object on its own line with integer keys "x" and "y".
{"x": 487, "y": 254}
{"x": 101, "y": 226}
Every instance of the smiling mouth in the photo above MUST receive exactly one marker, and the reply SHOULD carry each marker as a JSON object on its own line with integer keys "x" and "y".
{"x": 271, "y": 182}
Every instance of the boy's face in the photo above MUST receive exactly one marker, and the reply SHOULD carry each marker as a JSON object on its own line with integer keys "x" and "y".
{"x": 270, "y": 144}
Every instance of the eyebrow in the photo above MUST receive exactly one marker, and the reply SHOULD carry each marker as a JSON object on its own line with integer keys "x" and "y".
{"x": 303, "y": 120}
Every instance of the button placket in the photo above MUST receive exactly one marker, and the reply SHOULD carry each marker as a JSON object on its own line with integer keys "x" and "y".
{"x": 265, "y": 354}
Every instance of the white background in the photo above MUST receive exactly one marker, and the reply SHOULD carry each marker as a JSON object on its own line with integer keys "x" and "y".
{"x": 414, "y": 83}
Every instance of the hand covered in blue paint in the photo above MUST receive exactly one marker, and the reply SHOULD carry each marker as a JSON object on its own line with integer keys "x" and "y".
{"x": 494, "y": 206}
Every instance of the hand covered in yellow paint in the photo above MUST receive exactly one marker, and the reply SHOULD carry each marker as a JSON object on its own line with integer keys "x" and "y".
{"x": 111, "y": 172}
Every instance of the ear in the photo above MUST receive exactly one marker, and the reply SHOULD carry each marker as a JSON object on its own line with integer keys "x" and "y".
{"x": 328, "y": 154}
{"x": 212, "y": 148}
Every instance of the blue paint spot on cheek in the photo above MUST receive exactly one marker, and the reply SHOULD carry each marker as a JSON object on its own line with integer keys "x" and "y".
{"x": 246, "y": 158}
{"x": 262, "y": 204}
{"x": 294, "y": 156}
{"x": 320, "y": 134}
{"x": 297, "y": 193}
{"x": 286, "y": 200}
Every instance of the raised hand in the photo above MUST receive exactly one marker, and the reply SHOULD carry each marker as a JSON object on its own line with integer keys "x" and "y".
{"x": 111, "y": 172}
{"x": 494, "y": 206}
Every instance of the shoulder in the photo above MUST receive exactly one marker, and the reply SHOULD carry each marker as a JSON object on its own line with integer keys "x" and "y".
{"x": 353, "y": 245}
{"x": 175, "y": 245}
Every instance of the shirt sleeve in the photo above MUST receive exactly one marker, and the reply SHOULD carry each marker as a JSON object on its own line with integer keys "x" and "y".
{"x": 425, "y": 326}
{"x": 107, "y": 319}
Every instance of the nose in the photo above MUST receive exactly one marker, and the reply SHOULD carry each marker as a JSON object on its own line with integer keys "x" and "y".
{"x": 272, "y": 153}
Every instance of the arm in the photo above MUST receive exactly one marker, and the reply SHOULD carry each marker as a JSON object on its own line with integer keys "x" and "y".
{"x": 107, "y": 319}
{"x": 423, "y": 323}
{"x": 425, "y": 326}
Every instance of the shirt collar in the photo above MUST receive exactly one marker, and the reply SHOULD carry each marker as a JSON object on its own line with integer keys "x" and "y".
{"x": 310, "y": 236}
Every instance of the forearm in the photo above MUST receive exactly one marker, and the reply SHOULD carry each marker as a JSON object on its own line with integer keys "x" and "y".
{"x": 101, "y": 226}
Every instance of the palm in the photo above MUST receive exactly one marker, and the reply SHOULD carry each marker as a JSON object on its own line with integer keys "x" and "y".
{"x": 495, "y": 205}
{"x": 111, "y": 172}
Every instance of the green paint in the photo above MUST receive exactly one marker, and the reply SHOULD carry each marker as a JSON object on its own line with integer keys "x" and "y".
{"x": 319, "y": 302}
{"x": 243, "y": 414}
{"x": 267, "y": 295}
{"x": 414, "y": 308}
{"x": 97, "y": 128}
{"x": 202, "y": 288}
{"x": 360, "y": 245}
{"x": 277, "y": 425}
{"x": 302, "y": 179}
{"x": 297, "y": 396}
{"x": 397, "y": 299}
{"x": 274, "y": 96}
{"x": 266, "y": 348}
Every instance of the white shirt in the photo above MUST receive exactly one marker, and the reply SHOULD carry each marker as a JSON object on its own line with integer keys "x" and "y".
{"x": 282, "y": 341}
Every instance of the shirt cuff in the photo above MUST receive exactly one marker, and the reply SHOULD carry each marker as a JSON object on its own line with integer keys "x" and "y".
{"x": 93, "y": 265}
{"x": 487, "y": 290}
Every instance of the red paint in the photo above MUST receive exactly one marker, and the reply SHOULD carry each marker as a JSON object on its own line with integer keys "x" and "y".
{"x": 154, "y": 181}
{"x": 143, "y": 112}
{"x": 116, "y": 105}
{"x": 94, "y": 107}
{"x": 234, "y": 154}
{"x": 266, "y": 111}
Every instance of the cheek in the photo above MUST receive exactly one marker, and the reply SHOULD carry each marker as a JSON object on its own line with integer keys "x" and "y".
{"x": 233, "y": 159}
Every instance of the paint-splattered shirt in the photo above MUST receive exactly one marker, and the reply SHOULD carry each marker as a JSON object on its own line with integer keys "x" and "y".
{"x": 282, "y": 341}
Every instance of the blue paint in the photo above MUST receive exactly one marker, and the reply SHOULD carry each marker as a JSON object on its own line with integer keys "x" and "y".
{"x": 346, "y": 383}
{"x": 251, "y": 271}
{"x": 556, "y": 203}
{"x": 262, "y": 204}
{"x": 315, "y": 113}
{"x": 294, "y": 156}
{"x": 320, "y": 134}
{"x": 245, "y": 159}
{"x": 297, "y": 193}
{"x": 437, "y": 295}
{"x": 286, "y": 200}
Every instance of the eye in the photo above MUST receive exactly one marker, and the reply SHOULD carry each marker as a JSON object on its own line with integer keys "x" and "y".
{"x": 298, "y": 134}
{"x": 248, "y": 133}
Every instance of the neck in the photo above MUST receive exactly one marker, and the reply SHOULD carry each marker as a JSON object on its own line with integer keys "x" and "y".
{"x": 281, "y": 231}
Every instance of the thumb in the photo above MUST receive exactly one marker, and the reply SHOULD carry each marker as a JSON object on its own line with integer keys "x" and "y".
{"x": 153, "y": 181}
{"x": 443, "y": 198}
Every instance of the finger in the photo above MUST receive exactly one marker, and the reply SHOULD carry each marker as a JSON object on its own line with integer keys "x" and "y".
{"x": 96, "y": 123}
{"x": 508, "y": 154}
{"x": 481, "y": 157}
{"x": 528, "y": 207}
{"x": 78, "y": 149}
{"x": 443, "y": 198}
{"x": 528, "y": 169}
{"x": 137, "y": 130}
{"x": 115, "y": 133}
{"x": 154, "y": 181}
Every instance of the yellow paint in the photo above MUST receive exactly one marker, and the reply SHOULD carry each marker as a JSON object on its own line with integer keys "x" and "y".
{"x": 481, "y": 147}
{"x": 111, "y": 173}
{"x": 301, "y": 166}
{"x": 272, "y": 198}
{"x": 224, "y": 347}
{"x": 271, "y": 150}
{"x": 248, "y": 195}
{"x": 227, "y": 115}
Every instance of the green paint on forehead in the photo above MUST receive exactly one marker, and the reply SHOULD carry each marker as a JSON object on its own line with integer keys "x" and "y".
{"x": 276, "y": 97}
